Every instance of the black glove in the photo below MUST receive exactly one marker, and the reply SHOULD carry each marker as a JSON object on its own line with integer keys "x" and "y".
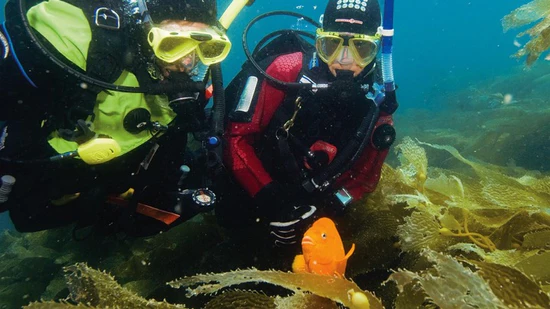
{"x": 290, "y": 228}
{"x": 276, "y": 205}
{"x": 275, "y": 199}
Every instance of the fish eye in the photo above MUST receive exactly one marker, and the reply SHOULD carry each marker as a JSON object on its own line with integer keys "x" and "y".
{"x": 324, "y": 235}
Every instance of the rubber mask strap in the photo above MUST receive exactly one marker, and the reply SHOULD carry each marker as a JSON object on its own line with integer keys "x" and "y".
{"x": 344, "y": 56}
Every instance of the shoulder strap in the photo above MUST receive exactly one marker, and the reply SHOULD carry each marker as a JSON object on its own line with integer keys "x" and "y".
{"x": 105, "y": 59}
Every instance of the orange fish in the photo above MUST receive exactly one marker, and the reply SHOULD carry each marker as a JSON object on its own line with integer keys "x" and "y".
{"x": 323, "y": 251}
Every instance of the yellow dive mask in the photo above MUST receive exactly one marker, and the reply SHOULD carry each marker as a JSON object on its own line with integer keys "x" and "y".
{"x": 211, "y": 46}
{"x": 363, "y": 47}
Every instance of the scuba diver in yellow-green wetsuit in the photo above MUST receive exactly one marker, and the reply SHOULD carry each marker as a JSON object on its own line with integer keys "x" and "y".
{"x": 99, "y": 98}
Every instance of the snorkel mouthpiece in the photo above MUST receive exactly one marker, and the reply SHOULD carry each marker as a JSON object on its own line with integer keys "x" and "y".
{"x": 344, "y": 87}
{"x": 342, "y": 75}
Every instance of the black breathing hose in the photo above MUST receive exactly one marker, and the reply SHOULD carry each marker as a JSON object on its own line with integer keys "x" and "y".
{"x": 349, "y": 155}
{"x": 215, "y": 152}
{"x": 251, "y": 57}
{"x": 218, "y": 108}
{"x": 279, "y": 32}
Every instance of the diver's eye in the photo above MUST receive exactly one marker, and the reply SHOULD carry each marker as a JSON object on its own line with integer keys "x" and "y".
{"x": 324, "y": 236}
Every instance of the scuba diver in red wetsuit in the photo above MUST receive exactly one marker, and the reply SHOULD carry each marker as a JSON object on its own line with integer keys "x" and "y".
{"x": 309, "y": 134}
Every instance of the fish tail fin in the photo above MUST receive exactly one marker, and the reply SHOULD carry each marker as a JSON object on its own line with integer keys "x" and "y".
{"x": 350, "y": 252}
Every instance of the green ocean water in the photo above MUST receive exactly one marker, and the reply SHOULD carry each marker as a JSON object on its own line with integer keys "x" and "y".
{"x": 463, "y": 204}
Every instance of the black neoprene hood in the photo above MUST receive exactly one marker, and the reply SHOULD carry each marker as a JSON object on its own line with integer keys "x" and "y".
{"x": 202, "y": 11}
{"x": 355, "y": 16}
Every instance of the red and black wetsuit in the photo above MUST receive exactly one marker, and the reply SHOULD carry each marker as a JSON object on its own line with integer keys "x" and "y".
{"x": 245, "y": 153}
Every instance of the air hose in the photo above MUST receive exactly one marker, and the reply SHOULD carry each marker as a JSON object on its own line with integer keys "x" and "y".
{"x": 214, "y": 139}
{"x": 349, "y": 154}
{"x": 250, "y": 56}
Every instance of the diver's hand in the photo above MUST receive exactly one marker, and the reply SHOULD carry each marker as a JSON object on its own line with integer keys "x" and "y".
{"x": 271, "y": 200}
{"x": 290, "y": 227}
{"x": 275, "y": 200}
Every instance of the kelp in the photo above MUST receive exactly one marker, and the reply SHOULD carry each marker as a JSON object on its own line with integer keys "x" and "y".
{"x": 449, "y": 284}
{"x": 414, "y": 163}
{"x": 371, "y": 231}
{"x": 498, "y": 220}
{"x": 539, "y": 34}
{"x": 453, "y": 230}
{"x": 98, "y": 288}
{"x": 56, "y": 305}
{"x": 503, "y": 190}
{"x": 452, "y": 283}
{"x": 420, "y": 231}
{"x": 239, "y": 299}
{"x": 339, "y": 290}
{"x": 305, "y": 301}
{"x": 520, "y": 291}
{"x": 487, "y": 204}
{"x": 90, "y": 288}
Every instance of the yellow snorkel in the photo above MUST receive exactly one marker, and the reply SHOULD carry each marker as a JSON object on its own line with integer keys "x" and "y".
{"x": 232, "y": 11}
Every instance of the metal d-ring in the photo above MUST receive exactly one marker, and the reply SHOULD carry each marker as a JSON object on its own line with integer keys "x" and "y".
{"x": 281, "y": 133}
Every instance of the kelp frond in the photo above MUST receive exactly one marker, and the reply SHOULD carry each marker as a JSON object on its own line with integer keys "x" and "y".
{"x": 539, "y": 34}
{"x": 342, "y": 291}
{"x": 97, "y": 289}
{"x": 56, "y": 305}
{"x": 449, "y": 284}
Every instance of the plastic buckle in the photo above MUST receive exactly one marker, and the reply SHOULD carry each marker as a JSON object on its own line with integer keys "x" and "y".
{"x": 107, "y": 18}
{"x": 343, "y": 196}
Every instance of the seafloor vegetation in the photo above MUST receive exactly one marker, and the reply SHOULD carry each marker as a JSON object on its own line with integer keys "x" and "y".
{"x": 475, "y": 234}
{"x": 461, "y": 219}
{"x": 454, "y": 231}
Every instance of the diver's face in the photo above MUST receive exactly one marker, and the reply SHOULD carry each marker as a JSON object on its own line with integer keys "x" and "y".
{"x": 336, "y": 51}
{"x": 186, "y": 63}
{"x": 345, "y": 61}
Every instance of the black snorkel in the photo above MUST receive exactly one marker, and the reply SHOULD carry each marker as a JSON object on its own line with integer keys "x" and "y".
{"x": 217, "y": 118}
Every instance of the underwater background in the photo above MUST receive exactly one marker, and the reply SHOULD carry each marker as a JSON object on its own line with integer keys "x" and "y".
{"x": 439, "y": 46}
{"x": 461, "y": 217}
